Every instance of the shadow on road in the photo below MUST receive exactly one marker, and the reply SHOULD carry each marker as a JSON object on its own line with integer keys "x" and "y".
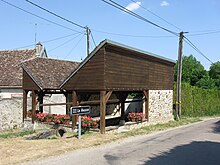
{"x": 217, "y": 127}
{"x": 195, "y": 153}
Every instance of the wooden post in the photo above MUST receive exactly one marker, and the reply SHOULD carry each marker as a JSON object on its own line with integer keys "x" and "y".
{"x": 24, "y": 104}
{"x": 179, "y": 77}
{"x": 146, "y": 94}
{"x": 41, "y": 101}
{"x": 74, "y": 100}
{"x": 33, "y": 105}
{"x": 68, "y": 99}
{"x": 122, "y": 98}
{"x": 102, "y": 111}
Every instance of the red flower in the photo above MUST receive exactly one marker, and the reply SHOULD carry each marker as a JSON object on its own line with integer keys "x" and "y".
{"x": 84, "y": 125}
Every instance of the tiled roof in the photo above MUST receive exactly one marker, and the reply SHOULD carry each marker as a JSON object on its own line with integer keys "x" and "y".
{"x": 48, "y": 73}
{"x": 10, "y": 71}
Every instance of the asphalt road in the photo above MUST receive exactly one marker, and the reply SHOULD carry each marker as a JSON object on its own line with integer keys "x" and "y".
{"x": 196, "y": 144}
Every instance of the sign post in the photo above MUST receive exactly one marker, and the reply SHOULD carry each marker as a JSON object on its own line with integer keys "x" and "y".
{"x": 79, "y": 110}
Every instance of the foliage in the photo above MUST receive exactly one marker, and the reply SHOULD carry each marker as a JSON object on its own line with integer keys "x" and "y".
{"x": 199, "y": 102}
{"x": 206, "y": 83}
{"x": 192, "y": 70}
{"x": 214, "y": 70}
{"x": 139, "y": 116}
{"x": 57, "y": 119}
{"x": 214, "y": 73}
{"x": 15, "y": 134}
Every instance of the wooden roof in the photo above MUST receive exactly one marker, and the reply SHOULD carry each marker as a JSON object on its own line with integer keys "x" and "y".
{"x": 114, "y": 66}
{"x": 10, "y": 71}
{"x": 46, "y": 73}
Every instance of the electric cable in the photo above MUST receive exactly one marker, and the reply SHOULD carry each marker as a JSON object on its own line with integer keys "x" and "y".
{"x": 205, "y": 33}
{"x": 93, "y": 39}
{"x": 74, "y": 47}
{"x": 76, "y": 24}
{"x": 64, "y": 43}
{"x": 120, "y": 7}
{"x": 38, "y": 16}
{"x": 51, "y": 40}
{"x": 156, "y": 15}
{"x": 128, "y": 35}
{"x": 196, "y": 49}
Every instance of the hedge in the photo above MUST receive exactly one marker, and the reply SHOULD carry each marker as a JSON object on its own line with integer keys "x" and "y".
{"x": 199, "y": 102}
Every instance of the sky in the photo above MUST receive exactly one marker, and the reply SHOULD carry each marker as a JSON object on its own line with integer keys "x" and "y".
{"x": 63, "y": 40}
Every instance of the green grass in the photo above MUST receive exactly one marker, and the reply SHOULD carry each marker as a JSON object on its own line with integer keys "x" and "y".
{"x": 15, "y": 134}
{"x": 161, "y": 127}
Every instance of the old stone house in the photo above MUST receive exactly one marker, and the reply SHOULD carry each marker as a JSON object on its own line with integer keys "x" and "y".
{"x": 11, "y": 84}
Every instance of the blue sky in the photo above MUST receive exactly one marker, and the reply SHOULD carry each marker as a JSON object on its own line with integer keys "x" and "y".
{"x": 196, "y": 17}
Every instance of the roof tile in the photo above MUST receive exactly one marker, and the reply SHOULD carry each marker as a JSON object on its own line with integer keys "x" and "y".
{"x": 10, "y": 71}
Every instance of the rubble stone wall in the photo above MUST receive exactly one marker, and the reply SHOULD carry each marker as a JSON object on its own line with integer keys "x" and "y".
{"x": 160, "y": 106}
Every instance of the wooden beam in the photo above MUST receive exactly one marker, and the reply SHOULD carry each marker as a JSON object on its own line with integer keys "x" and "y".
{"x": 94, "y": 102}
{"x": 33, "y": 105}
{"x": 74, "y": 103}
{"x": 146, "y": 94}
{"x": 108, "y": 95}
{"x": 102, "y": 111}
{"x": 24, "y": 104}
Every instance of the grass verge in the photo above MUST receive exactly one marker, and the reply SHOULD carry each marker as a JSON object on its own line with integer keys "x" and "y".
{"x": 161, "y": 127}
{"x": 18, "y": 150}
{"x": 16, "y": 134}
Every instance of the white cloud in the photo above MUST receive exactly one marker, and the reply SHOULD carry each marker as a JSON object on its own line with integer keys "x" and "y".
{"x": 164, "y": 3}
{"x": 133, "y": 6}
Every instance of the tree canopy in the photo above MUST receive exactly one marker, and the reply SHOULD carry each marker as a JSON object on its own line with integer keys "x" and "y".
{"x": 195, "y": 74}
{"x": 214, "y": 73}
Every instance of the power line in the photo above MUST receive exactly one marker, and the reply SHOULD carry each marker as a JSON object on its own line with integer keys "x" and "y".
{"x": 156, "y": 15}
{"x": 74, "y": 47}
{"x": 51, "y": 40}
{"x": 196, "y": 49}
{"x": 205, "y": 33}
{"x": 64, "y": 43}
{"x": 56, "y": 15}
{"x": 120, "y": 7}
{"x": 128, "y": 35}
{"x": 38, "y": 16}
{"x": 93, "y": 39}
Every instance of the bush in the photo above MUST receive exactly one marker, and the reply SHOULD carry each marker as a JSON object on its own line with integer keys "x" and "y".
{"x": 199, "y": 102}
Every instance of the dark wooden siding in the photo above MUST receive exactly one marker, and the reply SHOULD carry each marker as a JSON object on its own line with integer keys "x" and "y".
{"x": 127, "y": 70}
{"x": 28, "y": 83}
{"x": 90, "y": 76}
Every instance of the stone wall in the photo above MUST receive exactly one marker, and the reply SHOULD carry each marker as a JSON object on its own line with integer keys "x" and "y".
{"x": 10, "y": 113}
{"x": 160, "y": 106}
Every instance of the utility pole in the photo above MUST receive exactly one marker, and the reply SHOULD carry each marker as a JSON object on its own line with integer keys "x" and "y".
{"x": 179, "y": 77}
{"x": 88, "y": 40}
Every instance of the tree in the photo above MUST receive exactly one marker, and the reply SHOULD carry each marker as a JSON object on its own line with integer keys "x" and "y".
{"x": 214, "y": 73}
{"x": 192, "y": 70}
{"x": 206, "y": 82}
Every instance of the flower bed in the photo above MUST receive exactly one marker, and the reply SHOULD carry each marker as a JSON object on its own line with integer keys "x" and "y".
{"x": 136, "y": 117}
{"x": 56, "y": 119}
{"x": 86, "y": 123}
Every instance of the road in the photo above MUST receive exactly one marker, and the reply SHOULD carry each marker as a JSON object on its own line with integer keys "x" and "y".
{"x": 195, "y": 144}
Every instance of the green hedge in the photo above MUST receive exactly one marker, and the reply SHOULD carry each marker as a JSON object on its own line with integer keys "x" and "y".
{"x": 199, "y": 102}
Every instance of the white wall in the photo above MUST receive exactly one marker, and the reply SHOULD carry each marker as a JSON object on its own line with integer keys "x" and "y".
{"x": 9, "y": 93}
